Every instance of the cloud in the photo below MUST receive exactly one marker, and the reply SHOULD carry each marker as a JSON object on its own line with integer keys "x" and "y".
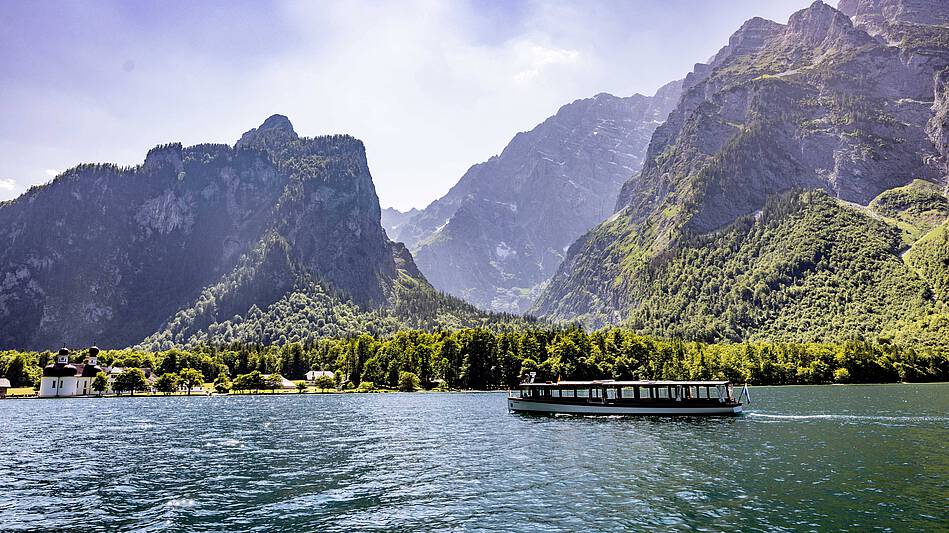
{"x": 51, "y": 172}
{"x": 8, "y": 189}
{"x": 430, "y": 86}
{"x": 538, "y": 57}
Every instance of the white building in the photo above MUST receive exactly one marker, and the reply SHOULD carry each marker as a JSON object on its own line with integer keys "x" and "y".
{"x": 62, "y": 379}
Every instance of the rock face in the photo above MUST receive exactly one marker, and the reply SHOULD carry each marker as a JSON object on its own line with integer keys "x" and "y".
{"x": 193, "y": 237}
{"x": 503, "y": 229}
{"x": 818, "y": 103}
{"x": 886, "y": 18}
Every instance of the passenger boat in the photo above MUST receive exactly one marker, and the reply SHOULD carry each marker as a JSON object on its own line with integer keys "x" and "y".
{"x": 608, "y": 397}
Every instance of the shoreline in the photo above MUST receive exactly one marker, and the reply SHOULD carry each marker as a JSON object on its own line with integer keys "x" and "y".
{"x": 289, "y": 392}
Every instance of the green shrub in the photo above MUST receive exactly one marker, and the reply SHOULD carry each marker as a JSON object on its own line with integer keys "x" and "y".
{"x": 408, "y": 382}
{"x": 841, "y": 375}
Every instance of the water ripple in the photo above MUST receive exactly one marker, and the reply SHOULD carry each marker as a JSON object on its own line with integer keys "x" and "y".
{"x": 805, "y": 458}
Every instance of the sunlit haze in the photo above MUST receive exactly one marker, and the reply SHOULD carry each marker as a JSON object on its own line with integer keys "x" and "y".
{"x": 430, "y": 87}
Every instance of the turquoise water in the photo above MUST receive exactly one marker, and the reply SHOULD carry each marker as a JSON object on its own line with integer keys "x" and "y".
{"x": 854, "y": 458}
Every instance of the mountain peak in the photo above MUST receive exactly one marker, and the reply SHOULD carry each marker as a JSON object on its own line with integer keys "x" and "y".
{"x": 278, "y": 122}
{"x": 749, "y": 39}
{"x": 821, "y": 26}
{"x": 275, "y": 131}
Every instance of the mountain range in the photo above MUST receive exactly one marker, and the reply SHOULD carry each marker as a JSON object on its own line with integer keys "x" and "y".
{"x": 797, "y": 191}
{"x": 501, "y": 232}
{"x": 276, "y": 238}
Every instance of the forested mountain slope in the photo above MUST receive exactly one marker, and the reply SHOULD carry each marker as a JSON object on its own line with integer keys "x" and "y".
{"x": 716, "y": 238}
{"x": 502, "y": 230}
{"x": 210, "y": 242}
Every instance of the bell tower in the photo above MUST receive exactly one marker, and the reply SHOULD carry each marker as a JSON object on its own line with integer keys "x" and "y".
{"x": 63, "y": 357}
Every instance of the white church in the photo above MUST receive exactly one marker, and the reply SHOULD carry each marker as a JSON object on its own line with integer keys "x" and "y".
{"x": 62, "y": 379}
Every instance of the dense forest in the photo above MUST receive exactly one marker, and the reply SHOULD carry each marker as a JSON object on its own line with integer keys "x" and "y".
{"x": 485, "y": 359}
{"x": 806, "y": 268}
{"x": 308, "y": 311}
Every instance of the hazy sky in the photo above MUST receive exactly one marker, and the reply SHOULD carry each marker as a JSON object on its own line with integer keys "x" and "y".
{"x": 431, "y": 87}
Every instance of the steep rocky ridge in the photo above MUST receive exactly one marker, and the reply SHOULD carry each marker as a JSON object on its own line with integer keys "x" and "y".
{"x": 196, "y": 236}
{"x": 502, "y": 230}
{"x": 818, "y": 103}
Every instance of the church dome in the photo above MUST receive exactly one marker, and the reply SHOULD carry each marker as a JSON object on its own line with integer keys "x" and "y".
{"x": 59, "y": 370}
{"x": 90, "y": 370}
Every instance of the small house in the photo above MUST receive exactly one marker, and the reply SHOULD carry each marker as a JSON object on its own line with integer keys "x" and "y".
{"x": 4, "y": 386}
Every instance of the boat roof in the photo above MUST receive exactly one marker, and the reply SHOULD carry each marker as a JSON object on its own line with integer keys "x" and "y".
{"x": 612, "y": 383}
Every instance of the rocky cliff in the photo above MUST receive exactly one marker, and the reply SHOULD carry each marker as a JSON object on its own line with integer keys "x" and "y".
{"x": 817, "y": 104}
{"x": 199, "y": 237}
{"x": 502, "y": 230}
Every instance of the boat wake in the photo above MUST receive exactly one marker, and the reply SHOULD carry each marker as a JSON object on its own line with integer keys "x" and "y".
{"x": 855, "y": 418}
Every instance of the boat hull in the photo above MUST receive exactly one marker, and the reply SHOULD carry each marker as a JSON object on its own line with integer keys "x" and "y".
{"x": 522, "y": 405}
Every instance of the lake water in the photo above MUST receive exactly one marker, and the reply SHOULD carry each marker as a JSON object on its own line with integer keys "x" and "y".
{"x": 806, "y": 458}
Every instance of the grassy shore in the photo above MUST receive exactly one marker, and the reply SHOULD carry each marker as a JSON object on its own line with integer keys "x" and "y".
{"x": 207, "y": 389}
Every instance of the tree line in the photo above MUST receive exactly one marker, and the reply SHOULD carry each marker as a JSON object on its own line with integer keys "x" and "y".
{"x": 483, "y": 359}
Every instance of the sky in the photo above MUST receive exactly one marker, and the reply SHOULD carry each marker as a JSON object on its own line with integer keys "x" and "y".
{"x": 431, "y": 87}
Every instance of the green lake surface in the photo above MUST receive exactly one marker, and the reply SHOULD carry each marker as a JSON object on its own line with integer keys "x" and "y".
{"x": 850, "y": 458}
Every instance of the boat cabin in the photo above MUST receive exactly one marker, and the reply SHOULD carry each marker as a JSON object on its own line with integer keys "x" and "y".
{"x": 607, "y": 391}
{"x": 626, "y": 397}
